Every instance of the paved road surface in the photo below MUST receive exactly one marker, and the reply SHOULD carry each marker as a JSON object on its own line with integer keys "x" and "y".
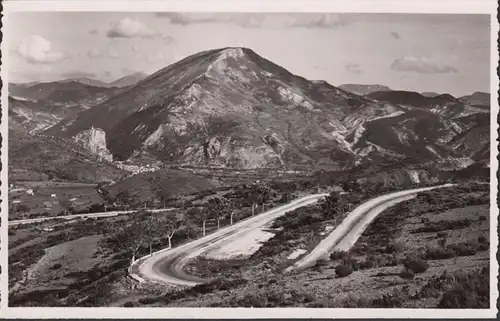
{"x": 347, "y": 233}
{"x": 166, "y": 266}
{"x": 71, "y": 217}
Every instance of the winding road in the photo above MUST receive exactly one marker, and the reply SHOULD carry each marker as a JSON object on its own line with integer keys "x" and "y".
{"x": 166, "y": 266}
{"x": 347, "y": 233}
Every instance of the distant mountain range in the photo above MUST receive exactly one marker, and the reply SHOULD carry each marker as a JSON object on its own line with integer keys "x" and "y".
{"x": 125, "y": 81}
{"x": 478, "y": 98}
{"x": 231, "y": 107}
{"x": 363, "y": 90}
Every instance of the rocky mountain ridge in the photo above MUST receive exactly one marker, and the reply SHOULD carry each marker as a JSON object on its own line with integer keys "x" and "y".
{"x": 232, "y": 108}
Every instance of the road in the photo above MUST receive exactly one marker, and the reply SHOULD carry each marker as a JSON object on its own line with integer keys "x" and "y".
{"x": 347, "y": 233}
{"x": 72, "y": 217}
{"x": 166, "y": 266}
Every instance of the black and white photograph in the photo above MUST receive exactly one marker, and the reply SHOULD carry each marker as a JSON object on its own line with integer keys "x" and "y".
{"x": 210, "y": 159}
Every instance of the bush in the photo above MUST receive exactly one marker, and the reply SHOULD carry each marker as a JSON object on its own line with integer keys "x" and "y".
{"x": 406, "y": 274}
{"x": 337, "y": 255}
{"x": 129, "y": 304}
{"x": 482, "y": 239}
{"x": 394, "y": 247}
{"x": 253, "y": 300}
{"x": 56, "y": 266}
{"x": 416, "y": 265}
{"x": 321, "y": 263}
{"x": 442, "y": 235}
{"x": 483, "y": 218}
{"x": 343, "y": 271}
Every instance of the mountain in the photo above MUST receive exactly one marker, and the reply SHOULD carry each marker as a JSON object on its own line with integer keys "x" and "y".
{"x": 128, "y": 80}
{"x": 33, "y": 108}
{"x": 231, "y": 107}
{"x": 88, "y": 81}
{"x": 363, "y": 90}
{"x": 477, "y": 98}
{"x": 30, "y": 116}
{"x": 429, "y": 94}
{"x": 444, "y": 105}
{"x": 69, "y": 93}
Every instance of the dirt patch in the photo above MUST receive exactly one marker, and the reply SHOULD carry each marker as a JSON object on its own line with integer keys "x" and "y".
{"x": 61, "y": 263}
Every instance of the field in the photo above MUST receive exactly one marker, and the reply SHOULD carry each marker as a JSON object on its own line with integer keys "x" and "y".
{"x": 49, "y": 198}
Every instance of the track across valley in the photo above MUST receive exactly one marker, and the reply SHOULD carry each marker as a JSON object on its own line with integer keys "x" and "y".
{"x": 89, "y": 215}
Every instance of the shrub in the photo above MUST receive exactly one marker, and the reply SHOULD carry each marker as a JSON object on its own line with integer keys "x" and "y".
{"x": 464, "y": 249}
{"x": 416, "y": 265}
{"x": 406, "y": 274}
{"x": 273, "y": 281}
{"x": 394, "y": 247}
{"x": 442, "y": 234}
{"x": 438, "y": 253}
{"x": 482, "y": 239}
{"x": 149, "y": 300}
{"x": 129, "y": 304}
{"x": 337, "y": 255}
{"x": 483, "y": 218}
{"x": 253, "y": 300}
{"x": 343, "y": 271}
{"x": 467, "y": 291}
{"x": 320, "y": 263}
{"x": 56, "y": 266}
{"x": 442, "y": 242}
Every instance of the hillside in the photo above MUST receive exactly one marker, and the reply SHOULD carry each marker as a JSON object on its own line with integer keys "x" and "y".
{"x": 128, "y": 80}
{"x": 41, "y": 158}
{"x": 444, "y": 105}
{"x": 363, "y": 90}
{"x": 429, "y": 94}
{"x": 232, "y": 108}
{"x": 32, "y": 116}
{"x": 33, "y": 108}
{"x": 122, "y": 82}
{"x": 477, "y": 98}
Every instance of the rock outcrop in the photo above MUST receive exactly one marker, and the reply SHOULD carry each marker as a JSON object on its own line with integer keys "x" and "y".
{"x": 94, "y": 140}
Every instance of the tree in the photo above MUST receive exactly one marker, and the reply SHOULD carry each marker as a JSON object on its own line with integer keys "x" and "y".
{"x": 331, "y": 205}
{"x": 218, "y": 208}
{"x": 127, "y": 238}
{"x": 67, "y": 205}
{"x": 199, "y": 215}
{"x": 23, "y": 209}
{"x": 169, "y": 224}
{"x": 260, "y": 193}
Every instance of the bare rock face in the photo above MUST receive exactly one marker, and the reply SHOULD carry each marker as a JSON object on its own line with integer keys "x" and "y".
{"x": 94, "y": 140}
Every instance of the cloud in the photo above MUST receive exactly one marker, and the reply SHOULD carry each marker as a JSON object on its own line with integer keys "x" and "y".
{"x": 423, "y": 65}
{"x": 245, "y": 20}
{"x": 78, "y": 74}
{"x": 316, "y": 20}
{"x": 38, "y": 50}
{"x": 156, "y": 57}
{"x": 395, "y": 35}
{"x": 93, "y": 31}
{"x": 257, "y": 20}
{"x": 353, "y": 68}
{"x": 129, "y": 28}
{"x": 107, "y": 52}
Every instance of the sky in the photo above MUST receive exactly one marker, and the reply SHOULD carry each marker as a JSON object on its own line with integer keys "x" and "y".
{"x": 444, "y": 53}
